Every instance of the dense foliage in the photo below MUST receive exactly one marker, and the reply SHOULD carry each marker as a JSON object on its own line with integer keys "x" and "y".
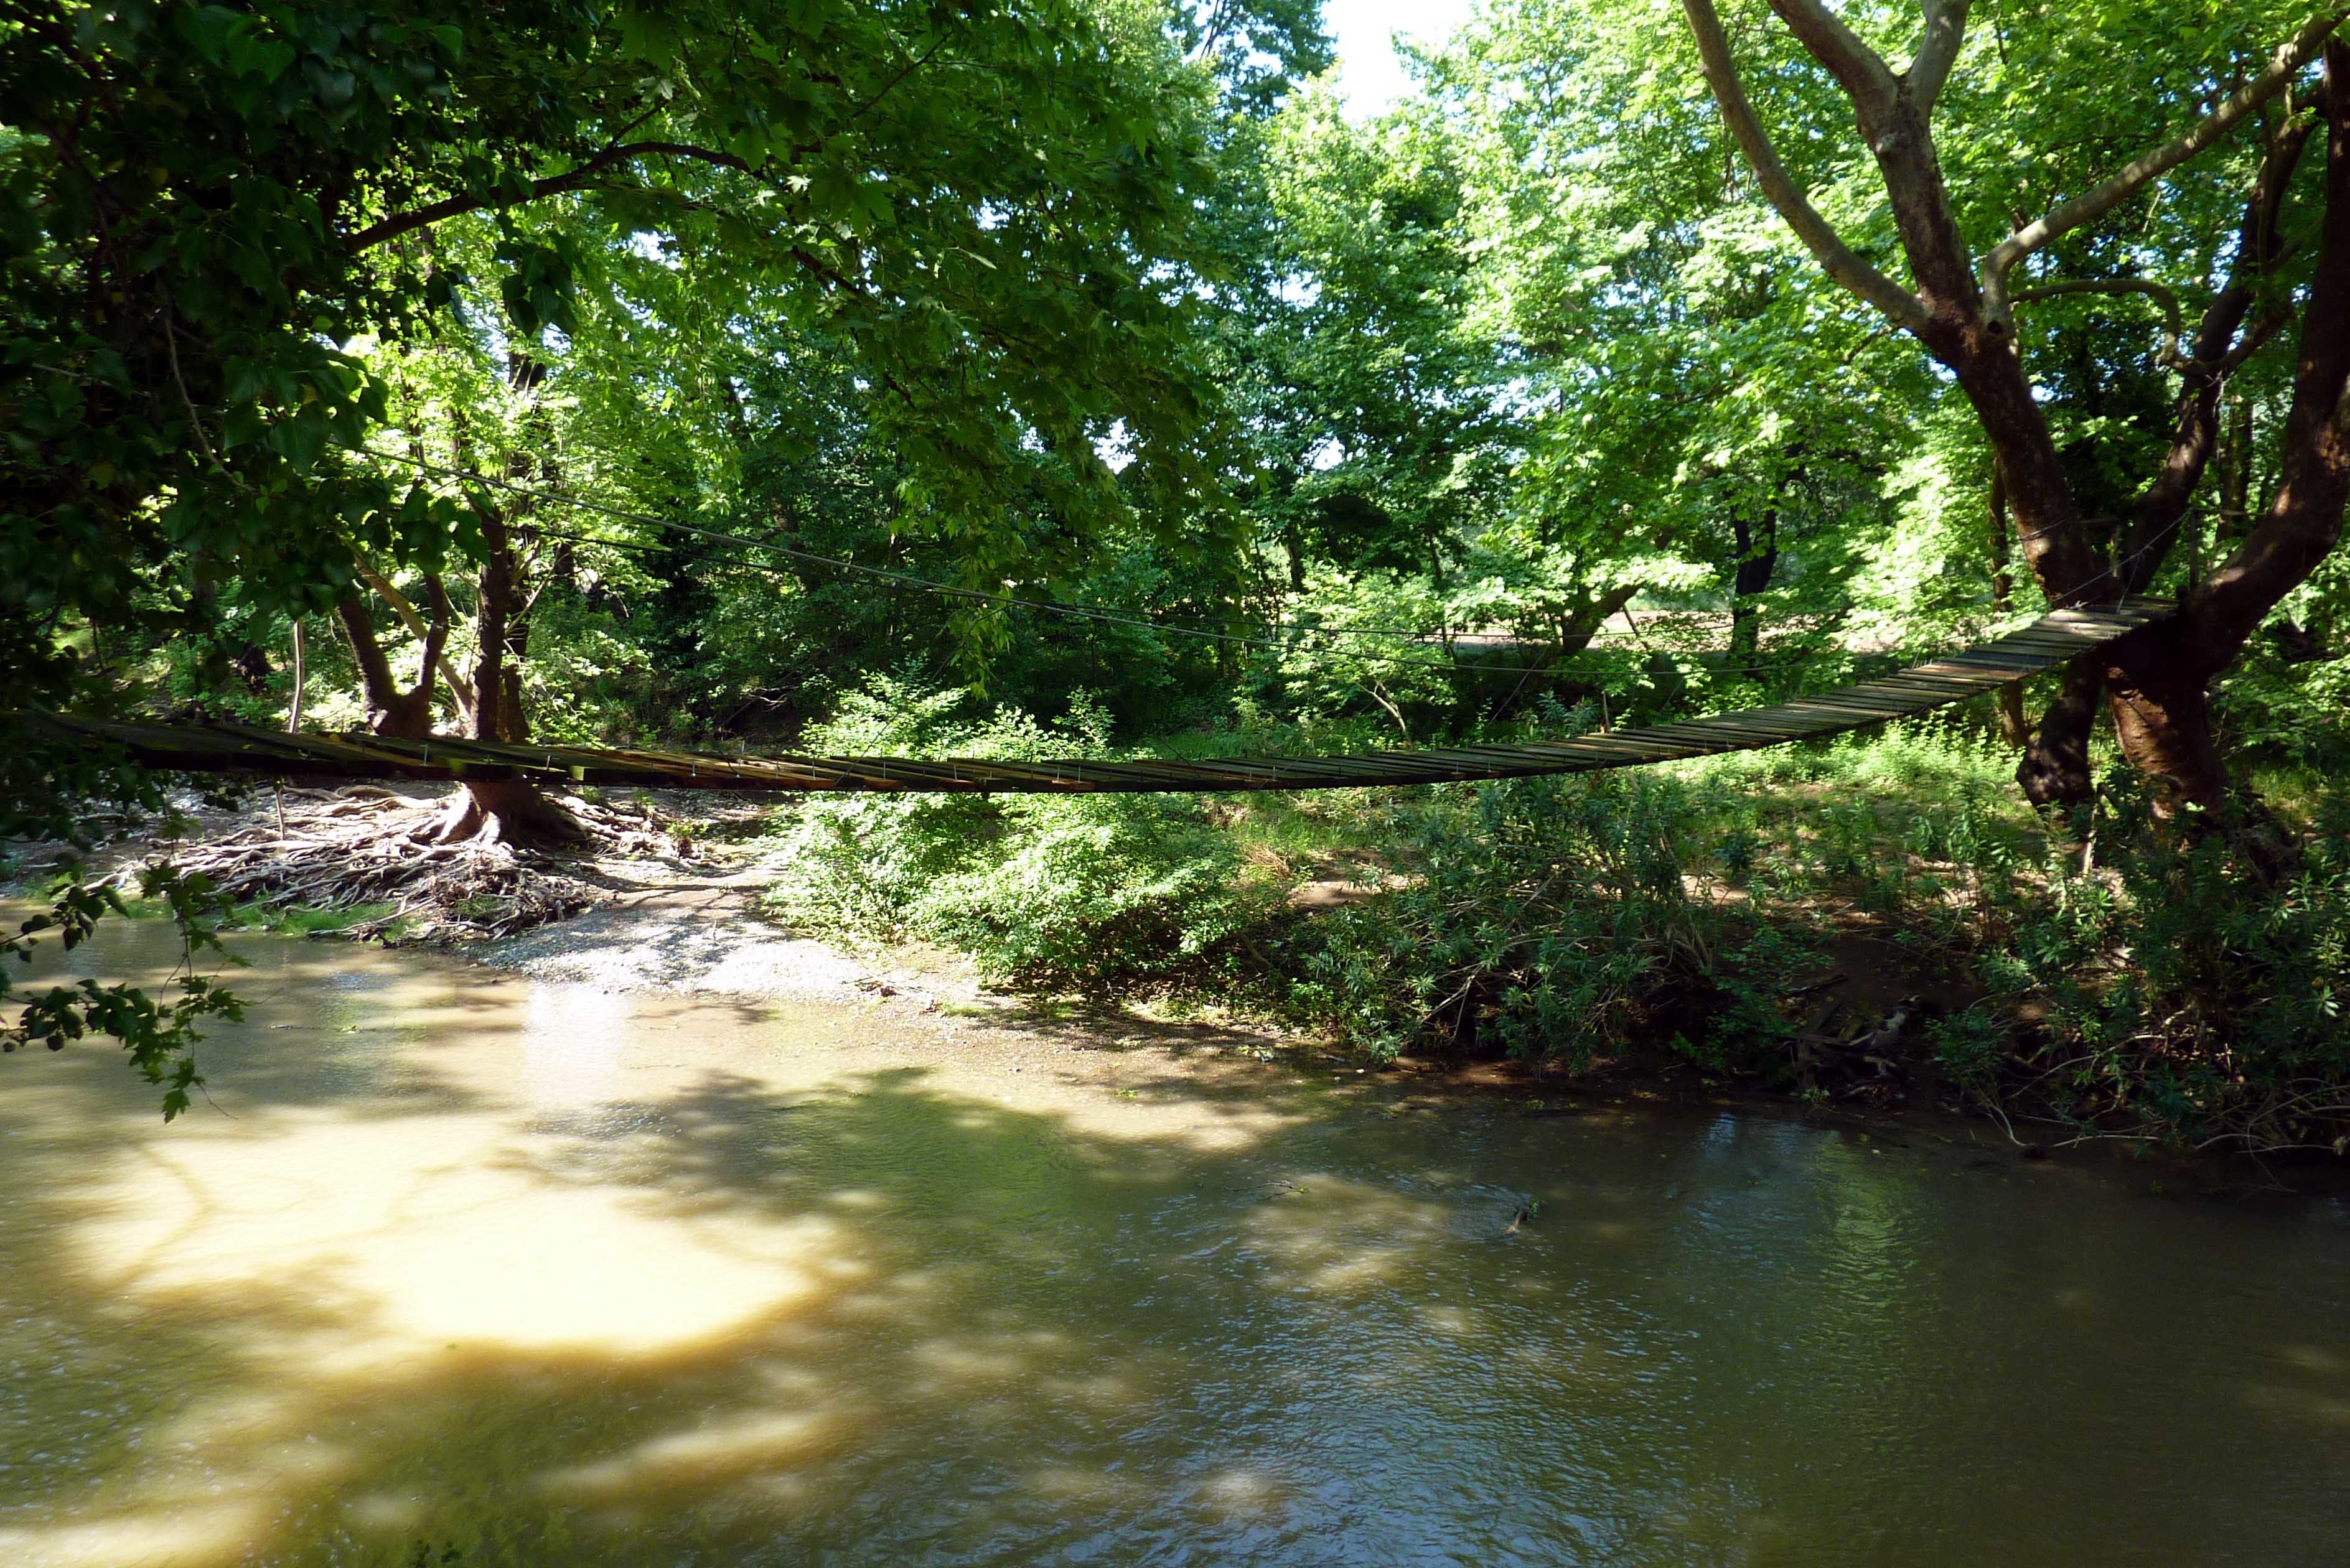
{"x": 1079, "y": 375}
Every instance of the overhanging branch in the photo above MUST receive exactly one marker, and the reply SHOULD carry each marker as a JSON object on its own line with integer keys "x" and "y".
{"x": 1859, "y": 69}
{"x": 1779, "y": 187}
{"x": 2095, "y": 203}
{"x": 2173, "y": 323}
{"x": 611, "y": 157}
{"x": 1937, "y": 51}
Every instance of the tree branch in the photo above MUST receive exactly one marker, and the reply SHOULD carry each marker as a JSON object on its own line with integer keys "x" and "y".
{"x": 611, "y": 157}
{"x": 2222, "y": 342}
{"x": 2255, "y": 338}
{"x": 2304, "y": 520}
{"x": 434, "y": 638}
{"x": 375, "y": 681}
{"x": 913, "y": 63}
{"x": 2260, "y": 246}
{"x": 1859, "y": 69}
{"x": 2172, "y": 319}
{"x": 1779, "y": 187}
{"x": 436, "y": 635}
{"x": 1937, "y": 51}
{"x": 2097, "y": 202}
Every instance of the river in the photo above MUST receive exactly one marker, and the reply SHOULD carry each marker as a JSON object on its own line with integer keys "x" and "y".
{"x": 462, "y": 1268}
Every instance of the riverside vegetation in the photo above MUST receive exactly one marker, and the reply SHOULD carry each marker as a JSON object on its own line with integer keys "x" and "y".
{"x": 1079, "y": 377}
{"x": 2106, "y": 979}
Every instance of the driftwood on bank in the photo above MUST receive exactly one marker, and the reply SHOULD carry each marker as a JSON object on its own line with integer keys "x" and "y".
{"x": 364, "y": 847}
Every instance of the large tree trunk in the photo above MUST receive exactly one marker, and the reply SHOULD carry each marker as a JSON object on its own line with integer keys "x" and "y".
{"x": 510, "y": 810}
{"x": 2302, "y": 522}
{"x": 1583, "y": 622}
{"x": 2008, "y": 700}
{"x": 1758, "y": 558}
{"x": 402, "y": 714}
{"x": 2156, "y": 683}
{"x": 2235, "y": 510}
{"x": 2054, "y": 769}
{"x": 2162, "y": 718}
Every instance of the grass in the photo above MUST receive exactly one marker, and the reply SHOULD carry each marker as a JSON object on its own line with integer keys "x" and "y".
{"x": 303, "y": 921}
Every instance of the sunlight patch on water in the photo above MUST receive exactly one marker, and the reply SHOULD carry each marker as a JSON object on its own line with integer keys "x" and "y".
{"x": 1070, "y": 1485}
{"x": 1457, "y": 1323}
{"x": 1346, "y": 1238}
{"x": 192, "y": 1532}
{"x": 426, "y": 1232}
{"x": 571, "y": 1044}
{"x": 995, "y": 1358}
{"x": 709, "y": 1455}
{"x": 1240, "y": 1488}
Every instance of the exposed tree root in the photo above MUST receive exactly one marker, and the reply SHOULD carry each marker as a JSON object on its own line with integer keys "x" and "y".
{"x": 364, "y": 845}
{"x": 2136, "y": 1099}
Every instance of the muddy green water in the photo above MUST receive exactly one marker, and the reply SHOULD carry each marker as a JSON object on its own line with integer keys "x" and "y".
{"x": 547, "y": 1275}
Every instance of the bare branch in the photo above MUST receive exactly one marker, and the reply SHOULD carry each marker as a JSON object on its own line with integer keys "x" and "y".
{"x": 1858, "y": 69}
{"x": 2260, "y": 246}
{"x": 196, "y": 420}
{"x": 2095, "y": 203}
{"x": 1937, "y": 51}
{"x": 2173, "y": 323}
{"x": 2220, "y": 344}
{"x": 2255, "y": 338}
{"x": 1848, "y": 269}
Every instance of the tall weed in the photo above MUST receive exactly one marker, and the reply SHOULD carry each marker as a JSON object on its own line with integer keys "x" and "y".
{"x": 2178, "y": 986}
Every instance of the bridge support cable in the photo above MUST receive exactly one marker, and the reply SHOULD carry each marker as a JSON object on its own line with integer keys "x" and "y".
{"x": 224, "y": 748}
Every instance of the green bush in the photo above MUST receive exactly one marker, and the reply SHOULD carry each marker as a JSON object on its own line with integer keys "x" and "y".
{"x": 1555, "y": 917}
{"x": 2163, "y": 982}
{"x": 1048, "y": 892}
{"x": 2184, "y": 985}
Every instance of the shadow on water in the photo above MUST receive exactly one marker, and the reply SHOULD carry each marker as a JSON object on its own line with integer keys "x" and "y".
{"x": 547, "y": 1276}
{"x": 1100, "y": 1025}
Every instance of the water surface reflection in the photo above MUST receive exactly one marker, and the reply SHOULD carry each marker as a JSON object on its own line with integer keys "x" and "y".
{"x": 559, "y": 1276}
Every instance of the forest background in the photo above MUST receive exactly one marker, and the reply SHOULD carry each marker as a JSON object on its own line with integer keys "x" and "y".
{"x": 1078, "y": 377}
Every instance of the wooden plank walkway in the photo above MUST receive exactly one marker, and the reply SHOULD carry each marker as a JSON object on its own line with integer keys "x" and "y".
{"x": 239, "y": 749}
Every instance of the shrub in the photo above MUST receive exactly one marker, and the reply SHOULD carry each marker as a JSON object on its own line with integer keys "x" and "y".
{"x": 2164, "y": 982}
{"x": 1048, "y": 892}
{"x": 1554, "y": 917}
{"x": 2185, "y": 988}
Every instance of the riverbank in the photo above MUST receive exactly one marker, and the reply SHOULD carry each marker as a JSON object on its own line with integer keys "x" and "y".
{"x": 674, "y": 933}
{"x": 1746, "y": 975}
